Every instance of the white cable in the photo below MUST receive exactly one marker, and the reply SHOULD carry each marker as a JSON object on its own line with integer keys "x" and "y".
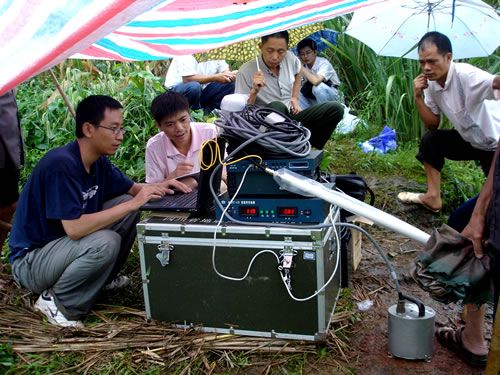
{"x": 337, "y": 241}
{"x": 334, "y": 272}
{"x": 215, "y": 238}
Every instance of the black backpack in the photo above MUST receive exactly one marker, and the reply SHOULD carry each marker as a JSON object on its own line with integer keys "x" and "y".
{"x": 355, "y": 186}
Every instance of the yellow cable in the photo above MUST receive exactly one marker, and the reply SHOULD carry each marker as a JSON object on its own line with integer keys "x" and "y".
{"x": 215, "y": 155}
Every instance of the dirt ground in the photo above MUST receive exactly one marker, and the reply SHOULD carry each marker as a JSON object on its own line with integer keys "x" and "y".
{"x": 370, "y": 342}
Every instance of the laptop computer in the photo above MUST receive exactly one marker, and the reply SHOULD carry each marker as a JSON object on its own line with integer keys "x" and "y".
{"x": 200, "y": 200}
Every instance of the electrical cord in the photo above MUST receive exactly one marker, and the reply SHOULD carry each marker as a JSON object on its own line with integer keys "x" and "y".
{"x": 283, "y": 136}
{"x": 392, "y": 271}
{"x": 283, "y": 278}
{"x": 334, "y": 272}
{"x": 215, "y": 242}
{"x": 215, "y": 156}
{"x": 333, "y": 224}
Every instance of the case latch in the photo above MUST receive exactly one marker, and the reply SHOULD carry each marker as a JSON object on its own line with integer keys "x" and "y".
{"x": 164, "y": 249}
{"x": 286, "y": 261}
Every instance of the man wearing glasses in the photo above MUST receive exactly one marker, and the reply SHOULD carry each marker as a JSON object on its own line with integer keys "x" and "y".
{"x": 75, "y": 220}
{"x": 321, "y": 81}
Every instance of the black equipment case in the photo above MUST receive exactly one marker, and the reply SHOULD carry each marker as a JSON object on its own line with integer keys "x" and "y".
{"x": 181, "y": 286}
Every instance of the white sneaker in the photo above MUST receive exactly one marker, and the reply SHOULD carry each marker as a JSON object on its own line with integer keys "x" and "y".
{"x": 45, "y": 304}
{"x": 118, "y": 283}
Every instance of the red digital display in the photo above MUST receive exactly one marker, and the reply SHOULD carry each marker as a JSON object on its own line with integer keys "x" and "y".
{"x": 287, "y": 211}
{"x": 248, "y": 211}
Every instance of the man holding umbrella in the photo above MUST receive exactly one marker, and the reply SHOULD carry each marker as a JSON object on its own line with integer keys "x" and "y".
{"x": 466, "y": 96}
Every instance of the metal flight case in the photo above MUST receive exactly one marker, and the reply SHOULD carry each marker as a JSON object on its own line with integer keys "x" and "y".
{"x": 181, "y": 286}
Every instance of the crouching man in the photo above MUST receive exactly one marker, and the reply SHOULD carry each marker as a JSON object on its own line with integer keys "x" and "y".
{"x": 76, "y": 216}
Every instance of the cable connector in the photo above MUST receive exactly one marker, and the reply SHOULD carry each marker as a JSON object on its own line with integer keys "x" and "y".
{"x": 286, "y": 255}
{"x": 270, "y": 171}
{"x": 273, "y": 118}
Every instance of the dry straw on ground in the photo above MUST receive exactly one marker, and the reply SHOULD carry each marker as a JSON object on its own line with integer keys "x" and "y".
{"x": 111, "y": 329}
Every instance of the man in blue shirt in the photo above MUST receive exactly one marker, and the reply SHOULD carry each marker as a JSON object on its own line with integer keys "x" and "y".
{"x": 75, "y": 220}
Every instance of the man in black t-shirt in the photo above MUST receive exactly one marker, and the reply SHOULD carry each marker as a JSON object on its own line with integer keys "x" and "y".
{"x": 75, "y": 220}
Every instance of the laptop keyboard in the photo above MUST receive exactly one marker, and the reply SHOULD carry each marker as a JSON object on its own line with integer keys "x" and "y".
{"x": 182, "y": 200}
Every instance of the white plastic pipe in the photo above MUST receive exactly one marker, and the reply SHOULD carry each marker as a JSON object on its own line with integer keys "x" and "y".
{"x": 302, "y": 185}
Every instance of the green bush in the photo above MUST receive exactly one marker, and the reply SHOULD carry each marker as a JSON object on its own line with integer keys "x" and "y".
{"x": 47, "y": 122}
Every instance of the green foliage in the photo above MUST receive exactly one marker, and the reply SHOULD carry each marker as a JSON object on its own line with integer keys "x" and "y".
{"x": 47, "y": 122}
{"x": 7, "y": 359}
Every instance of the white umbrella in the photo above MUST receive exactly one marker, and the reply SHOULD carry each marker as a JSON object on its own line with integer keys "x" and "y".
{"x": 394, "y": 27}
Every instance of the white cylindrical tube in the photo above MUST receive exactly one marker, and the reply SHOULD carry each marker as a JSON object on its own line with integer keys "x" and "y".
{"x": 299, "y": 184}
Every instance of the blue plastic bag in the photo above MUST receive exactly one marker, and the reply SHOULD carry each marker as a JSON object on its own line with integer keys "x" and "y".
{"x": 382, "y": 143}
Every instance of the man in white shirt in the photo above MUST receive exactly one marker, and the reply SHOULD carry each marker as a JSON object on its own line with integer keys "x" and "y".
{"x": 321, "y": 81}
{"x": 204, "y": 84}
{"x": 469, "y": 98}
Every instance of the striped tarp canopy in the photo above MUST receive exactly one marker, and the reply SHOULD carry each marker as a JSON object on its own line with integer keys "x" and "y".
{"x": 38, "y": 34}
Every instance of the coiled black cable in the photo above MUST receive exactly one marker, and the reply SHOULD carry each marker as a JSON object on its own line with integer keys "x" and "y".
{"x": 279, "y": 139}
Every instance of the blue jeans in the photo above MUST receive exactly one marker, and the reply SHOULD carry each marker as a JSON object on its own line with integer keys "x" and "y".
{"x": 322, "y": 92}
{"x": 460, "y": 217}
{"x": 208, "y": 98}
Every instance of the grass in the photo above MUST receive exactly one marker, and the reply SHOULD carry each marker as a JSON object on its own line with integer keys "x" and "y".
{"x": 460, "y": 180}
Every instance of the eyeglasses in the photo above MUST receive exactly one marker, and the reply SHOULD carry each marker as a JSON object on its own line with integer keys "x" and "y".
{"x": 306, "y": 53}
{"x": 116, "y": 130}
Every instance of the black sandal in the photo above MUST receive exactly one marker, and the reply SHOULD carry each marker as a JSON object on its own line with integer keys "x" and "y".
{"x": 452, "y": 339}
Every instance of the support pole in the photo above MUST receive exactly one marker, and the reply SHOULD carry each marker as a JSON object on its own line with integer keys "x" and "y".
{"x": 63, "y": 94}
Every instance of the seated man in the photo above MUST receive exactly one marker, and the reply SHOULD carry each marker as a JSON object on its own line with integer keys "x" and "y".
{"x": 175, "y": 150}
{"x": 273, "y": 79}
{"x": 204, "y": 84}
{"x": 75, "y": 220}
{"x": 321, "y": 80}
{"x": 466, "y": 96}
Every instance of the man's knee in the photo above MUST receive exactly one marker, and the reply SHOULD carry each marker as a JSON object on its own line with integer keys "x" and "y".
{"x": 332, "y": 110}
{"x": 104, "y": 246}
{"x": 192, "y": 88}
{"x": 430, "y": 138}
{"x": 278, "y": 106}
{"x": 324, "y": 93}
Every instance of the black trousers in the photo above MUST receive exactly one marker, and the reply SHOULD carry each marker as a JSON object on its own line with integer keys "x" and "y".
{"x": 438, "y": 145}
{"x": 494, "y": 228}
{"x": 321, "y": 119}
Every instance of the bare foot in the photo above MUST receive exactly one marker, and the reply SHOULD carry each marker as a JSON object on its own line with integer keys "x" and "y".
{"x": 433, "y": 202}
{"x": 474, "y": 345}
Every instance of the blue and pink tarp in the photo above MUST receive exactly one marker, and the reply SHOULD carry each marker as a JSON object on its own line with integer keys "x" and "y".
{"x": 38, "y": 34}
